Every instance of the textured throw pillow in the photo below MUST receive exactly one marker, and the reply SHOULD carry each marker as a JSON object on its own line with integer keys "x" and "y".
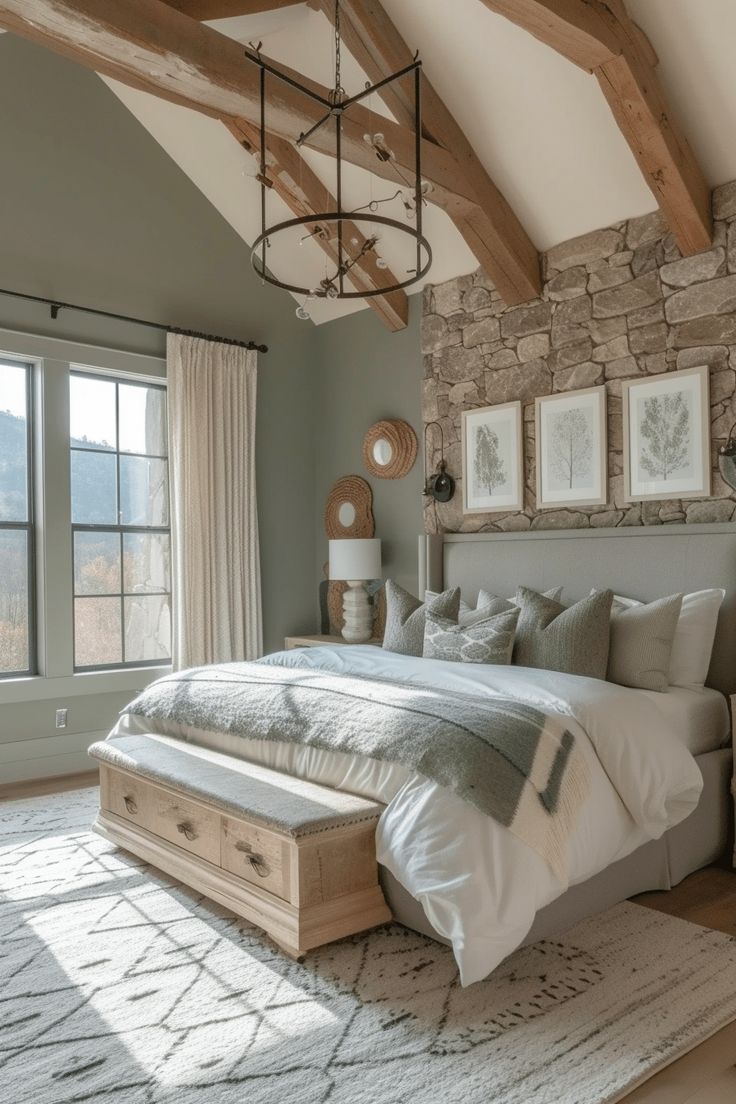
{"x": 405, "y": 616}
{"x": 641, "y": 643}
{"x": 555, "y": 593}
{"x": 694, "y": 635}
{"x": 572, "y": 640}
{"x": 488, "y": 641}
{"x": 488, "y": 604}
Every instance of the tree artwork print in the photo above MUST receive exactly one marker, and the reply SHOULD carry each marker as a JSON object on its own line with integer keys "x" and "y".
{"x": 571, "y": 447}
{"x": 490, "y": 472}
{"x": 667, "y": 449}
{"x": 665, "y": 429}
{"x": 491, "y": 447}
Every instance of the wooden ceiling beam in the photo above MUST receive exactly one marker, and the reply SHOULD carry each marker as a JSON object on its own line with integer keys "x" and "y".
{"x": 576, "y": 29}
{"x": 491, "y": 230}
{"x": 150, "y": 46}
{"x": 228, "y": 9}
{"x": 305, "y": 194}
{"x": 599, "y": 36}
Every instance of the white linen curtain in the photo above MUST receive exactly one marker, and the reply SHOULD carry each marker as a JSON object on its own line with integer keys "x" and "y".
{"x": 214, "y": 521}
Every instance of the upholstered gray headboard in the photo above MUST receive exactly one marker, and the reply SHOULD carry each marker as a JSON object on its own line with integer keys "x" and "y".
{"x": 644, "y": 562}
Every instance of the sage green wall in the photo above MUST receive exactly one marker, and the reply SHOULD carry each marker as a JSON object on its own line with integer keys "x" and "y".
{"x": 365, "y": 374}
{"x": 93, "y": 211}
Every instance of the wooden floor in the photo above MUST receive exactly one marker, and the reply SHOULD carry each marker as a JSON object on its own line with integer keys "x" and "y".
{"x": 38, "y": 787}
{"x": 707, "y": 1075}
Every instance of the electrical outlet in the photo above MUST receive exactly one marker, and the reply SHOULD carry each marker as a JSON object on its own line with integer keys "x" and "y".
{"x": 61, "y": 718}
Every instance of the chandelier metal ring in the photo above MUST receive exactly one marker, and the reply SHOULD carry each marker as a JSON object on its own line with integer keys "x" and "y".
{"x": 334, "y": 217}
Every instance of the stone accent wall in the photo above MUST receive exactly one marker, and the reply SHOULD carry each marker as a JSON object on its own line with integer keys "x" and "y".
{"x": 616, "y": 304}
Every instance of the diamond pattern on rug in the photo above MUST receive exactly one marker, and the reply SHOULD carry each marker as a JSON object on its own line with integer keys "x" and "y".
{"x": 120, "y": 986}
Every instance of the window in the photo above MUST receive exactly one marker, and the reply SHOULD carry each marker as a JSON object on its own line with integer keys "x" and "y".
{"x": 120, "y": 523}
{"x": 16, "y": 521}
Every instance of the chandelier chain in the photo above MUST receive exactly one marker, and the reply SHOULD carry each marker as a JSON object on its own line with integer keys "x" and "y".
{"x": 339, "y": 90}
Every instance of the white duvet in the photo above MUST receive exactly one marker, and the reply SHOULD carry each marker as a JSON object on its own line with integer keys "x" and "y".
{"x": 479, "y": 885}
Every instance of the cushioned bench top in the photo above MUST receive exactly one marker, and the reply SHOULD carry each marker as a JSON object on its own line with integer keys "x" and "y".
{"x": 266, "y": 797}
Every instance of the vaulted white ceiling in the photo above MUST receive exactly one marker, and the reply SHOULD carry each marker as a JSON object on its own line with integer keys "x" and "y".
{"x": 538, "y": 123}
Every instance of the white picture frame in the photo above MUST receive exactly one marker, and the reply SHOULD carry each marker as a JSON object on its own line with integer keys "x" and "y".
{"x": 492, "y": 449}
{"x": 572, "y": 449}
{"x": 667, "y": 436}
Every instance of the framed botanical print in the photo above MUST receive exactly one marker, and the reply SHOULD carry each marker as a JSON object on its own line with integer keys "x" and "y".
{"x": 572, "y": 449}
{"x": 667, "y": 436}
{"x": 493, "y": 477}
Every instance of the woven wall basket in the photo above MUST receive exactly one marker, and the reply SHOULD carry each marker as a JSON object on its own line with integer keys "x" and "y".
{"x": 350, "y": 490}
{"x": 401, "y": 446}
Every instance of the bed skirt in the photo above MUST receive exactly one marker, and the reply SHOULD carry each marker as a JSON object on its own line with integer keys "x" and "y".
{"x": 698, "y": 841}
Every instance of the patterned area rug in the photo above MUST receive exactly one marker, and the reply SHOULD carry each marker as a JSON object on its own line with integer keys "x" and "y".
{"x": 117, "y": 984}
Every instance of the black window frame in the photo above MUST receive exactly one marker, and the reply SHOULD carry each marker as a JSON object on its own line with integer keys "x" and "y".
{"x": 29, "y": 526}
{"x": 120, "y": 529}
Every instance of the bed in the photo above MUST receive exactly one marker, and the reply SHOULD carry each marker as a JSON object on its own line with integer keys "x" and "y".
{"x": 653, "y": 814}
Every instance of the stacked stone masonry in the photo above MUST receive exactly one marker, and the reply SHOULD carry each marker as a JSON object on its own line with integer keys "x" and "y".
{"x": 616, "y": 304}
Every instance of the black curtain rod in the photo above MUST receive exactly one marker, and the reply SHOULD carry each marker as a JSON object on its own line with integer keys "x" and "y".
{"x": 56, "y": 305}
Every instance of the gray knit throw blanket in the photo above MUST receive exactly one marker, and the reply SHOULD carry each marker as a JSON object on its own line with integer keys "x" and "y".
{"x": 514, "y": 763}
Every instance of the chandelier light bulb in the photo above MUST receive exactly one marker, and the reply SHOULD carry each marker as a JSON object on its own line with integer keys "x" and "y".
{"x": 380, "y": 263}
{"x": 302, "y": 313}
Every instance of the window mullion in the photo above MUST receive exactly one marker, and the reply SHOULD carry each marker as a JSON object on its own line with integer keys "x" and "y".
{"x": 53, "y": 521}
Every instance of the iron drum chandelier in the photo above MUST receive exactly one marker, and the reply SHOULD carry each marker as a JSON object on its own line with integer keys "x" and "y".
{"x": 349, "y": 249}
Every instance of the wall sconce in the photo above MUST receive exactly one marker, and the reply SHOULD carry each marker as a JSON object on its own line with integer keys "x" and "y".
{"x": 440, "y": 485}
{"x": 727, "y": 459}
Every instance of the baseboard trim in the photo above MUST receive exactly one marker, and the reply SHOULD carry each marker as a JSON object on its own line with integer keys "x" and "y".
{"x": 58, "y": 783}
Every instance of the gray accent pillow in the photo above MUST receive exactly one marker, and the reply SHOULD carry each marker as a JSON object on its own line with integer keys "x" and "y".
{"x": 488, "y": 641}
{"x": 487, "y": 599}
{"x": 641, "y": 643}
{"x": 573, "y": 640}
{"x": 405, "y": 616}
{"x": 488, "y": 604}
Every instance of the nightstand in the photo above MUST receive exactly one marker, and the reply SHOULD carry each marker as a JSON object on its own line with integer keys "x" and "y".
{"x": 315, "y": 641}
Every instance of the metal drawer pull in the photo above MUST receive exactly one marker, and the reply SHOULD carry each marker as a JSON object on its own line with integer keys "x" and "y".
{"x": 130, "y": 805}
{"x": 258, "y": 862}
{"x": 186, "y": 830}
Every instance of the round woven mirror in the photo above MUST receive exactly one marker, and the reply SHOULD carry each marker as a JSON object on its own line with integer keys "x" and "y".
{"x": 390, "y": 449}
{"x": 349, "y": 509}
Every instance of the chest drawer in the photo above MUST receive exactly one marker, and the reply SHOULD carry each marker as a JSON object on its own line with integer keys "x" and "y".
{"x": 125, "y": 795}
{"x": 192, "y": 827}
{"x": 257, "y": 856}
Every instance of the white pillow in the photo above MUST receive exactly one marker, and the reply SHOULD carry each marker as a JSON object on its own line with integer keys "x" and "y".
{"x": 693, "y": 643}
{"x": 694, "y": 635}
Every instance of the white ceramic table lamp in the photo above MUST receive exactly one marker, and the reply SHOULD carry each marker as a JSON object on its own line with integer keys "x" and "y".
{"x": 356, "y": 562}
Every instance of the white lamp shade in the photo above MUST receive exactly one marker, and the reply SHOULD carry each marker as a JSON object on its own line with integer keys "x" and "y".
{"x": 358, "y": 560}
